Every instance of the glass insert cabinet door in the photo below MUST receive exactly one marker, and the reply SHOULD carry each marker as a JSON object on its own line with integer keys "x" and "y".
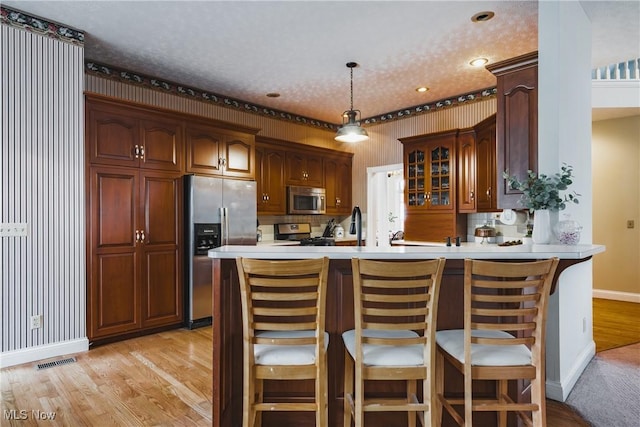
{"x": 440, "y": 177}
{"x": 428, "y": 177}
{"x": 416, "y": 191}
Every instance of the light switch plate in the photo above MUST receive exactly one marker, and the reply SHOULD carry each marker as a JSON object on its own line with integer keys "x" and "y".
{"x": 13, "y": 229}
{"x": 631, "y": 223}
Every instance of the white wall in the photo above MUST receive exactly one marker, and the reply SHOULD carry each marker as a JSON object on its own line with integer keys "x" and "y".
{"x": 564, "y": 135}
{"x": 616, "y": 200}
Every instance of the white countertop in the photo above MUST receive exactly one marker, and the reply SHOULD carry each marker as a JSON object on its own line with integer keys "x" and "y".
{"x": 466, "y": 250}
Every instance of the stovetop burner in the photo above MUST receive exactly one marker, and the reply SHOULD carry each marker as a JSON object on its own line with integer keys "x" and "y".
{"x": 300, "y": 232}
{"x": 317, "y": 241}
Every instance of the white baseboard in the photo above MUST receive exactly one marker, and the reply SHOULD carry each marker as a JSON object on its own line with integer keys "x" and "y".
{"x": 31, "y": 354}
{"x": 560, "y": 390}
{"x": 616, "y": 295}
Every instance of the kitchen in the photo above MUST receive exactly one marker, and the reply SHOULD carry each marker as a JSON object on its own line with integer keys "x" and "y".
{"x": 364, "y": 156}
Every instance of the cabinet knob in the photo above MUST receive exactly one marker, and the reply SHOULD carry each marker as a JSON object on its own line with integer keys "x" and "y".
{"x": 489, "y": 192}
{"x": 136, "y": 151}
{"x": 472, "y": 195}
{"x": 142, "y": 238}
{"x": 222, "y": 161}
{"x": 142, "y": 151}
{"x": 137, "y": 236}
{"x": 338, "y": 201}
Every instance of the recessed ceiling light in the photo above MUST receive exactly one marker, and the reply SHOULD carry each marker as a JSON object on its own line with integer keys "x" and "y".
{"x": 482, "y": 16}
{"x": 422, "y": 89}
{"x": 478, "y": 62}
{"x": 273, "y": 95}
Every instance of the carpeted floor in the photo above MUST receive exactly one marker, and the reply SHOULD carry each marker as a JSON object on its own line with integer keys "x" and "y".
{"x": 608, "y": 391}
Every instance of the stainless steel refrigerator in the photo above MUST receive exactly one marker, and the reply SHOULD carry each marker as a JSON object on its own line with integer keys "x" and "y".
{"x": 218, "y": 212}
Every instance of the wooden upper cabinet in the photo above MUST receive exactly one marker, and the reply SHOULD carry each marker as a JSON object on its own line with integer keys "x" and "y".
{"x": 113, "y": 137}
{"x": 212, "y": 151}
{"x": 270, "y": 181}
{"x": 162, "y": 144}
{"x": 304, "y": 169}
{"x": 486, "y": 173}
{"x": 281, "y": 163}
{"x": 477, "y": 167}
{"x": 516, "y": 123}
{"x": 337, "y": 182}
{"x": 239, "y": 156}
{"x": 204, "y": 150}
{"x": 466, "y": 171}
{"x": 122, "y": 136}
{"x": 430, "y": 172}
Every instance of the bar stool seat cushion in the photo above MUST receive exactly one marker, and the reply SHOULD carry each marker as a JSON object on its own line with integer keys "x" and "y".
{"x": 266, "y": 354}
{"x": 385, "y": 355}
{"x": 452, "y": 341}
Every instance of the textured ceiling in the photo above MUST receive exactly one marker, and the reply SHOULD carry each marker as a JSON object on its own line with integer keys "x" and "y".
{"x": 246, "y": 49}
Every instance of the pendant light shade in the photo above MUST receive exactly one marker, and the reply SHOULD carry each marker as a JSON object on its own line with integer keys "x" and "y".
{"x": 350, "y": 131}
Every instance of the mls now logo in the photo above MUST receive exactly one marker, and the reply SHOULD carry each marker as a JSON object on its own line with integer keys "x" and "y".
{"x": 14, "y": 414}
{"x": 41, "y": 415}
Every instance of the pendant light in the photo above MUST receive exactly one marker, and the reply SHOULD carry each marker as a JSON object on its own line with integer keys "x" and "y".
{"x": 351, "y": 130}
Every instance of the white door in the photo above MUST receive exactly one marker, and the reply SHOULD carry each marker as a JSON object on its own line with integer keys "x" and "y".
{"x": 385, "y": 203}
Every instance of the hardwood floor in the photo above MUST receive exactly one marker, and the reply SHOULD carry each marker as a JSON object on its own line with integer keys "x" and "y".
{"x": 158, "y": 380}
{"x": 615, "y": 323}
{"x": 164, "y": 380}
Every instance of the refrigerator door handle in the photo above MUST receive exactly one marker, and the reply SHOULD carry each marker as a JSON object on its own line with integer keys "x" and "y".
{"x": 224, "y": 226}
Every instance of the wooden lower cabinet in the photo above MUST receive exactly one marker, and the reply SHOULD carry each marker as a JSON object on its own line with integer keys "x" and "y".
{"x": 135, "y": 255}
{"x": 435, "y": 226}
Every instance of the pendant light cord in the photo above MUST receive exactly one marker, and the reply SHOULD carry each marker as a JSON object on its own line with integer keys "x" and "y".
{"x": 351, "y": 88}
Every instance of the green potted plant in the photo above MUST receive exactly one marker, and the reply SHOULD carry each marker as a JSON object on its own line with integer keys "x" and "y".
{"x": 541, "y": 194}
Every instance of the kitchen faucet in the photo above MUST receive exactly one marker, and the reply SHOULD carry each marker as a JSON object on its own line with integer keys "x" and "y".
{"x": 356, "y": 225}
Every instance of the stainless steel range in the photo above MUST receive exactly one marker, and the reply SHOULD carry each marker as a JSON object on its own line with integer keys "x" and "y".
{"x": 300, "y": 232}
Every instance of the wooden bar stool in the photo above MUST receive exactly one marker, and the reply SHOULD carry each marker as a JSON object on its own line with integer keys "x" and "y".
{"x": 505, "y": 311}
{"x": 394, "y": 337}
{"x": 284, "y": 338}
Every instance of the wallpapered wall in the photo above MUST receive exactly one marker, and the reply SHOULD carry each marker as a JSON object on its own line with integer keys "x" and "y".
{"x": 42, "y": 169}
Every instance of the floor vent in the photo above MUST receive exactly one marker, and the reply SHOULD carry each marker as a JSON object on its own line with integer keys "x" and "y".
{"x": 55, "y": 363}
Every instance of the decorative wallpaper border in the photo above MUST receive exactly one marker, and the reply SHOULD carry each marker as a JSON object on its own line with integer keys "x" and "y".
{"x": 92, "y": 67}
{"x": 430, "y": 107}
{"x": 18, "y": 19}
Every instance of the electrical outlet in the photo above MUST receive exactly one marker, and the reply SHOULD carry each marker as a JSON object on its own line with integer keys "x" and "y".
{"x": 36, "y": 321}
{"x": 584, "y": 325}
{"x": 13, "y": 229}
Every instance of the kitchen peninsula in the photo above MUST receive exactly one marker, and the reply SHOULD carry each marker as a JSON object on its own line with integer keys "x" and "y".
{"x": 227, "y": 319}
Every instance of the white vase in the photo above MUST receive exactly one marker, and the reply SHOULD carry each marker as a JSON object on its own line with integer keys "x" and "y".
{"x": 541, "y": 227}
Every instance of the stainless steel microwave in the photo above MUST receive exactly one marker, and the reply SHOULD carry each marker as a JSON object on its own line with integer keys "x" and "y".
{"x": 305, "y": 200}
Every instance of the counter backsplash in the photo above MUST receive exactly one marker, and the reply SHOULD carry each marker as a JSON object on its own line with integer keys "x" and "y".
{"x": 504, "y": 232}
